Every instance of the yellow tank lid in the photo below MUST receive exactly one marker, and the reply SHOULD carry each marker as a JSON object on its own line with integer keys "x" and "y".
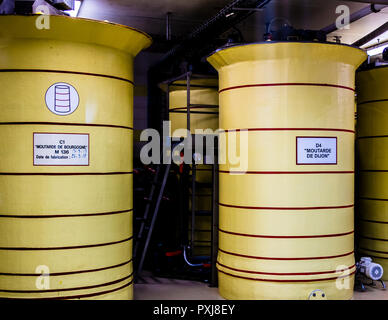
{"x": 83, "y": 30}
{"x": 279, "y": 50}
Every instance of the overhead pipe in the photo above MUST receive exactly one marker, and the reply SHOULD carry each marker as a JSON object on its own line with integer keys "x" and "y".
{"x": 370, "y": 1}
{"x": 373, "y": 8}
{"x": 218, "y": 24}
{"x": 192, "y": 48}
{"x": 168, "y": 26}
{"x": 370, "y": 36}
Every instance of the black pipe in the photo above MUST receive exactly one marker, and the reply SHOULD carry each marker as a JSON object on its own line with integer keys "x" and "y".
{"x": 371, "y": 1}
{"x": 194, "y": 43}
{"x": 357, "y": 16}
{"x": 189, "y": 52}
{"x": 370, "y": 36}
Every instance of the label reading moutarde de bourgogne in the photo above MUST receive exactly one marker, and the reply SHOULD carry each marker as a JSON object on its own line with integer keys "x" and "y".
{"x": 61, "y": 149}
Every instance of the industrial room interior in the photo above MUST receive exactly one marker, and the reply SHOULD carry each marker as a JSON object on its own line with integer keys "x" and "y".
{"x": 194, "y": 150}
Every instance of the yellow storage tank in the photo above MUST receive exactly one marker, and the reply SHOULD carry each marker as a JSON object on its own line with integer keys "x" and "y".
{"x": 286, "y": 222}
{"x": 66, "y": 158}
{"x": 372, "y": 146}
{"x": 204, "y": 109}
{"x": 204, "y": 115}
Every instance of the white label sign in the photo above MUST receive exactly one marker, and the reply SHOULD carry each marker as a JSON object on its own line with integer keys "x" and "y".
{"x": 61, "y": 149}
{"x": 316, "y": 150}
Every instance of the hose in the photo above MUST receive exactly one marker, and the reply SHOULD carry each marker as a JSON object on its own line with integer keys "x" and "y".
{"x": 187, "y": 261}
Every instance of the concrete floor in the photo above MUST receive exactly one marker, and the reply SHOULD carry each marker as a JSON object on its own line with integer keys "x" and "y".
{"x": 371, "y": 294}
{"x": 173, "y": 289}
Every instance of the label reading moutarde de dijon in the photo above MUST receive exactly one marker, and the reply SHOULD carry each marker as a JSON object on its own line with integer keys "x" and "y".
{"x": 316, "y": 150}
{"x": 61, "y": 149}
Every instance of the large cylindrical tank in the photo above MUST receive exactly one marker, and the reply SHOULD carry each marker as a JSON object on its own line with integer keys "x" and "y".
{"x": 204, "y": 115}
{"x": 372, "y": 146}
{"x": 66, "y": 158}
{"x": 286, "y": 221}
{"x": 203, "y": 112}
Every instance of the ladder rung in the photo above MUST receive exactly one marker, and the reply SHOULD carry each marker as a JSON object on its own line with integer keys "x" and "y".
{"x": 203, "y": 212}
{"x": 154, "y": 197}
{"x": 204, "y": 184}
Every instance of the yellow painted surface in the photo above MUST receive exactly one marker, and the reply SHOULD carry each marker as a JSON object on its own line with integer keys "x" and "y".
{"x": 203, "y": 173}
{"x": 74, "y": 220}
{"x": 372, "y": 146}
{"x": 286, "y": 229}
{"x": 198, "y": 96}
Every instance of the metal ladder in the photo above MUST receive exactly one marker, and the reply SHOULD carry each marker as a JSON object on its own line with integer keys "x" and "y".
{"x": 147, "y": 223}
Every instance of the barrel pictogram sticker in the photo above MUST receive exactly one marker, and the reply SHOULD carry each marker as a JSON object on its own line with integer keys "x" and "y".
{"x": 62, "y": 98}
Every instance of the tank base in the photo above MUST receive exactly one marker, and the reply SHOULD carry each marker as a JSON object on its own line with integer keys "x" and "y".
{"x": 232, "y": 288}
